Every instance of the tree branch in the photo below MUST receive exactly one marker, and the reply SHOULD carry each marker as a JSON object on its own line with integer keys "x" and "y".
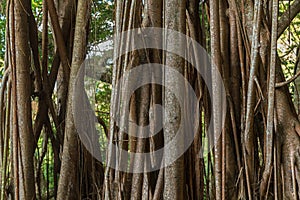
{"x": 288, "y": 16}
{"x": 60, "y": 42}
{"x": 281, "y": 84}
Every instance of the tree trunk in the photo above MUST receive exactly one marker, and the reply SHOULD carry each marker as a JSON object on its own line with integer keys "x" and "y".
{"x": 175, "y": 19}
{"x": 68, "y": 187}
{"x": 23, "y": 106}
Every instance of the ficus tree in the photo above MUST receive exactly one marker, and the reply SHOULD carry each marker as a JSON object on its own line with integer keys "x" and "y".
{"x": 252, "y": 45}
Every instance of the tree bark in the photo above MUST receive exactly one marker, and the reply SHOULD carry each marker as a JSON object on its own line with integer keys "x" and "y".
{"x": 68, "y": 187}
{"x": 23, "y": 92}
{"x": 174, "y": 174}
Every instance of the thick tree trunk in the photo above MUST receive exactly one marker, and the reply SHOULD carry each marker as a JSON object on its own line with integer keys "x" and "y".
{"x": 174, "y": 174}
{"x": 288, "y": 137}
{"x": 23, "y": 106}
{"x": 68, "y": 187}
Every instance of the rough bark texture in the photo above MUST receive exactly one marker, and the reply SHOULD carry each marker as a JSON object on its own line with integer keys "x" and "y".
{"x": 68, "y": 187}
{"x": 174, "y": 174}
{"x": 216, "y": 61}
{"x": 23, "y": 64}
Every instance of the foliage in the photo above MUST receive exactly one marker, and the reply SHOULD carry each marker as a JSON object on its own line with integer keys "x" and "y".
{"x": 2, "y": 35}
{"x": 101, "y": 21}
{"x": 288, "y": 49}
